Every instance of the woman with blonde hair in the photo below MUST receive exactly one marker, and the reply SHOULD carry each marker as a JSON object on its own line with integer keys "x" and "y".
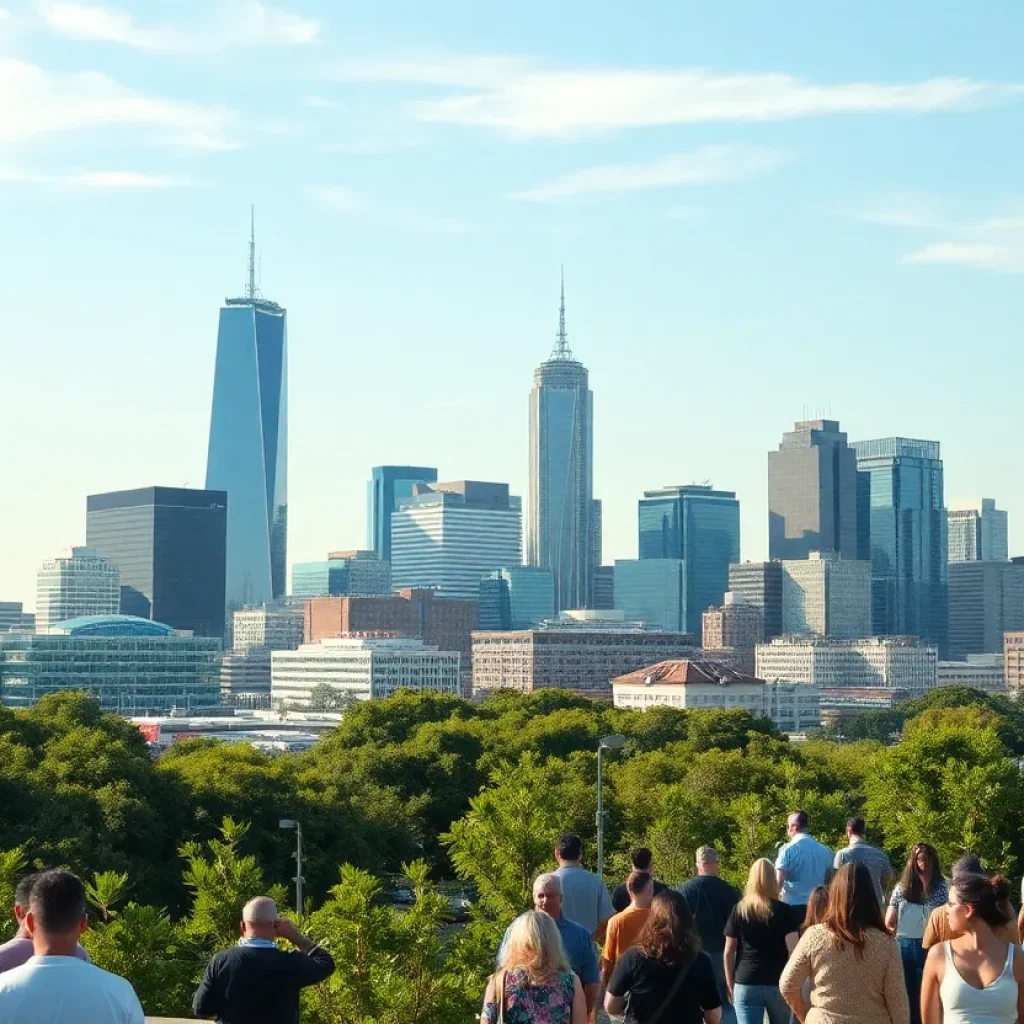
{"x": 764, "y": 930}
{"x": 533, "y": 983}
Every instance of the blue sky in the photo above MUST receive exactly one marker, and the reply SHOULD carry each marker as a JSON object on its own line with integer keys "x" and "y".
{"x": 764, "y": 211}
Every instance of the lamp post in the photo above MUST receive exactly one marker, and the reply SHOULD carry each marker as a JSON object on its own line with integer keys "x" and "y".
{"x": 613, "y": 742}
{"x": 288, "y": 823}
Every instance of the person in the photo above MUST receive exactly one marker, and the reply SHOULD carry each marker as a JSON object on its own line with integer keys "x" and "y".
{"x": 817, "y": 907}
{"x": 256, "y": 981}
{"x": 665, "y": 977}
{"x": 851, "y": 960}
{"x": 938, "y": 928}
{"x": 16, "y": 951}
{"x": 976, "y": 977}
{"x": 579, "y": 947}
{"x": 763, "y": 930}
{"x": 642, "y": 860}
{"x": 585, "y": 897}
{"x": 534, "y": 982}
{"x": 859, "y": 851}
{"x": 802, "y": 863}
{"x": 921, "y": 889}
{"x": 55, "y": 985}
{"x": 711, "y": 900}
{"x": 623, "y": 928}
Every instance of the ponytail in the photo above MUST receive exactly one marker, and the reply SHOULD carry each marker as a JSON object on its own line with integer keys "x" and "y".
{"x": 988, "y": 897}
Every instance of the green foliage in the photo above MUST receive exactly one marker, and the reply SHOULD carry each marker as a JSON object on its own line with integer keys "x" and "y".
{"x": 12, "y": 866}
{"x": 324, "y": 697}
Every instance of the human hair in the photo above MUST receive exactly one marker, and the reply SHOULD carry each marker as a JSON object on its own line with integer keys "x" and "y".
{"x": 968, "y": 864}
{"x": 761, "y": 889}
{"x": 706, "y": 855}
{"x": 57, "y": 901}
{"x": 548, "y": 880}
{"x": 535, "y": 946}
{"x": 260, "y": 910}
{"x": 641, "y": 858}
{"x": 23, "y": 890}
{"x": 637, "y": 882}
{"x": 914, "y": 887}
{"x": 853, "y": 907}
{"x": 800, "y": 820}
{"x": 988, "y": 897}
{"x": 569, "y": 846}
{"x": 817, "y": 906}
{"x": 669, "y": 934}
{"x": 858, "y": 826}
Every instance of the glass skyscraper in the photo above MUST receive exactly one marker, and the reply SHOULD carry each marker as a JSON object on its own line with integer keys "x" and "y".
{"x": 652, "y": 591}
{"x": 248, "y": 453}
{"x": 977, "y": 532}
{"x": 388, "y": 486}
{"x": 516, "y": 597}
{"x": 701, "y": 526}
{"x": 908, "y": 534}
{"x": 560, "y": 534}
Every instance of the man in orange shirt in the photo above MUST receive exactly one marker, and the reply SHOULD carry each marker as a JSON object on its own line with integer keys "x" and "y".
{"x": 624, "y": 928}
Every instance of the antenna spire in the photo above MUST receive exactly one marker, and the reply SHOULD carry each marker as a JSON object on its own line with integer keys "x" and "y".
{"x": 250, "y": 287}
{"x": 562, "y": 350}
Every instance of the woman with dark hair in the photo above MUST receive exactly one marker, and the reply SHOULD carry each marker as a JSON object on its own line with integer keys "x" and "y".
{"x": 921, "y": 889}
{"x": 665, "y": 977}
{"x": 975, "y": 978}
{"x": 853, "y": 963}
{"x": 817, "y": 907}
{"x": 939, "y": 929}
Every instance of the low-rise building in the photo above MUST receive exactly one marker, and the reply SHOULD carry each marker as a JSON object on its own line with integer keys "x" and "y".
{"x": 1013, "y": 661}
{"x": 736, "y": 623}
{"x": 269, "y": 627}
{"x": 272, "y": 732}
{"x": 362, "y": 668}
{"x": 979, "y": 672}
{"x": 702, "y": 684}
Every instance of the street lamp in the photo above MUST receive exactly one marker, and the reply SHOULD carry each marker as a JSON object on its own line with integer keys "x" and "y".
{"x": 287, "y": 823}
{"x": 613, "y": 742}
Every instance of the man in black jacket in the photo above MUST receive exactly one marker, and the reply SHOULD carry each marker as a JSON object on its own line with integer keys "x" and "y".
{"x": 255, "y": 982}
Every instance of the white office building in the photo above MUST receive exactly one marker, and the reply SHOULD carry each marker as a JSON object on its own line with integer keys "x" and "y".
{"x": 826, "y": 595}
{"x": 977, "y": 531}
{"x": 77, "y": 583}
{"x": 449, "y": 536}
{"x": 274, "y": 628}
{"x": 980, "y": 672}
{"x": 364, "y": 667}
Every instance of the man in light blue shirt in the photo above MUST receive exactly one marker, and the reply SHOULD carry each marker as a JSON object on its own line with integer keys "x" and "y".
{"x": 803, "y": 862}
{"x": 585, "y": 897}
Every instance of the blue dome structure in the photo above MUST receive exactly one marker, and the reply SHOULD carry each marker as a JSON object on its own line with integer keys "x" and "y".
{"x": 114, "y": 625}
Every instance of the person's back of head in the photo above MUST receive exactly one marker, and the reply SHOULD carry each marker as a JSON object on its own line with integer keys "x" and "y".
{"x": 641, "y": 858}
{"x": 639, "y": 884}
{"x": 706, "y": 860}
{"x": 968, "y": 864}
{"x": 987, "y": 898}
{"x": 669, "y": 934}
{"x": 817, "y": 906}
{"x": 23, "y": 896}
{"x": 856, "y": 827}
{"x": 853, "y": 907}
{"x": 259, "y": 918}
{"x": 761, "y": 890}
{"x": 569, "y": 848}
{"x": 534, "y": 946}
{"x": 56, "y": 914}
{"x": 799, "y": 821}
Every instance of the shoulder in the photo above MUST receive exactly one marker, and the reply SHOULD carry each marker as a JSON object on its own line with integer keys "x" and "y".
{"x": 816, "y": 937}
{"x": 936, "y": 957}
{"x": 571, "y": 931}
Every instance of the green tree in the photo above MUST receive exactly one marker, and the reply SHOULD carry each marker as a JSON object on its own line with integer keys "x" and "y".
{"x": 12, "y": 866}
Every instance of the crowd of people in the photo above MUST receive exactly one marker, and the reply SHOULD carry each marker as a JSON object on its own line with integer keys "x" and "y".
{"x": 817, "y": 936}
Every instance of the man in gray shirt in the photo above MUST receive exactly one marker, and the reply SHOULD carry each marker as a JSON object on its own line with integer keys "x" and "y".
{"x": 860, "y": 851}
{"x": 585, "y": 897}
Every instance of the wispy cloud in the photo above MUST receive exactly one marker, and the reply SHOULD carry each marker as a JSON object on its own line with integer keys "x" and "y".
{"x": 41, "y": 102}
{"x": 519, "y": 97}
{"x": 904, "y": 210}
{"x": 337, "y": 198}
{"x": 230, "y": 23}
{"x": 95, "y": 181}
{"x": 969, "y": 254}
{"x": 343, "y": 200}
{"x": 700, "y": 166}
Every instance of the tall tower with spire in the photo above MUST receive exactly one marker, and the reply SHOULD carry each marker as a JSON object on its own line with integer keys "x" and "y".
{"x": 559, "y": 530}
{"x": 248, "y": 450}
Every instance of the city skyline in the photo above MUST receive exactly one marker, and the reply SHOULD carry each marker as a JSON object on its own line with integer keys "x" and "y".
{"x": 790, "y": 288}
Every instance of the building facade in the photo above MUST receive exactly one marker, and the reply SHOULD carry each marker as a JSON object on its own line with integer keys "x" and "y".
{"x": 812, "y": 493}
{"x": 652, "y": 591}
{"x": 604, "y": 588}
{"x": 248, "y": 450}
{"x": 559, "y": 522}
{"x": 700, "y": 526}
{"x": 978, "y": 531}
{"x": 1013, "y": 661}
{"x": 760, "y": 584}
{"x": 73, "y": 585}
{"x": 364, "y": 668}
{"x": 449, "y": 536}
{"x": 986, "y": 600}
{"x": 983, "y": 672}
{"x": 245, "y": 678}
{"x": 903, "y": 490}
{"x": 14, "y": 617}
{"x": 269, "y": 627}
{"x": 517, "y": 597}
{"x": 344, "y": 574}
{"x": 389, "y": 486}
{"x": 169, "y": 544}
{"x": 827, "y": 595}
{"x": 134, "y": 666}
{"x": 735, "y": 624}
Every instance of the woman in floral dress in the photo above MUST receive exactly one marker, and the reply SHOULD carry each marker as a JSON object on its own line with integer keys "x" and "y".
{"x": 533, "y": 984}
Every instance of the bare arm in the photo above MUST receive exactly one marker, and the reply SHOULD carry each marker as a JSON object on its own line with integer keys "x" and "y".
{"x": 796, "y": 972}
{"x": 490, "y": 996}
{"x": 601, "y": 930}
{"x": 712, "y": 1016}
{"x": 580, "y": 1006}
{"x": 1018, "y": 973}
{"x": 934, "y": 968}
{"x": 590, "y": 993}
{"x": 891, "y": 919}
{"x": 729, "y": 962}
{"x": 791, "y": 940}
{"x": 614, "y": 1004}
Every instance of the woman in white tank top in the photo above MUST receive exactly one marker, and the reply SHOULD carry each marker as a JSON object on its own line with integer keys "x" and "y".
{"x": 975, "y": 978}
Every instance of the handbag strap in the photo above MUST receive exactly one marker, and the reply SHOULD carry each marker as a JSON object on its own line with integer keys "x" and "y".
{"x": 667, "y": 1001}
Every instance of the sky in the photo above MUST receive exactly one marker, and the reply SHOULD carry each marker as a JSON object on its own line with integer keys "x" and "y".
{"x": 766, "y": 212}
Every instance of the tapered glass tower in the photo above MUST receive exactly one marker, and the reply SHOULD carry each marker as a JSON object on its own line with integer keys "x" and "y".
{"x": 248, "y": 453}
{"x": 559, "y": 522}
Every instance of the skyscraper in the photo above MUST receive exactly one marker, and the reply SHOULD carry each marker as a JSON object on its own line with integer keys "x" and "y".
{"x": 77, "y": 583}
{"x": 560, "y": 534}
{"x": 909, "y": 545}
{"x": 977, "y": 532}
{"x": 986, "y": 600}
{"x": 517, "y": 597}
{"x": 169, "y": 545}
{"x": 248, "y": 453}
{"x": 388, "y": 487}
{"x": 344, "y": 574}
{"x": 701, "y": 526}
{"x": 760, "y": 585}
{"x": 812, "y": 493}
{"x": 826, "y": 595}
{"x": 652, "y": 591}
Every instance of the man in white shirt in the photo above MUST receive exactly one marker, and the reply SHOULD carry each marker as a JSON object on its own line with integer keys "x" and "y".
{"x": 54, "y": 986}
{"x": 16, "y": 951}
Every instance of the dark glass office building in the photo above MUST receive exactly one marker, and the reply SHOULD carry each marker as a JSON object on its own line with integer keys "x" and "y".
{"x": 760, "y": 584}
{"x": 388, "y": 486}
{"x": 702, "y": 527}
{"x": 170, "y": 545}
{"x": 908, "y": 537}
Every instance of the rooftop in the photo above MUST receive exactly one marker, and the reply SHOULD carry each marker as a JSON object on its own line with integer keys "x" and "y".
{"x": 686, "y": 671}
{"x": 113, "y": 625}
